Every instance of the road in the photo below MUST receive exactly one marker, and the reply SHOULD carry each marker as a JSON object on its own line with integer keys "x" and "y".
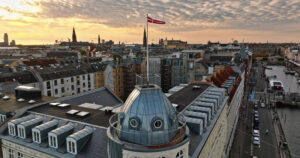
{"x": 242, "y": 145}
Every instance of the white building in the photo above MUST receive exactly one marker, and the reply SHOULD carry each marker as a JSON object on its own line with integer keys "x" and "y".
{"x": 66, "y": 86}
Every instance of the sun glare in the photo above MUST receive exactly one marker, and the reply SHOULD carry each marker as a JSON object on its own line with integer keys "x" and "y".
{"x": 13, "y": 9}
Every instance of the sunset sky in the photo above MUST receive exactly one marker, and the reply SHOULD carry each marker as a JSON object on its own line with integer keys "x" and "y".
{"x": 195, "y": 21}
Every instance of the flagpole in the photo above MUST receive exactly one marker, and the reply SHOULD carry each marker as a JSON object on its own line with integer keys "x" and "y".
{"x": 147, "y": 53}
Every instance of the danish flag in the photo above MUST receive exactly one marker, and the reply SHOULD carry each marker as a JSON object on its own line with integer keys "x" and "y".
{"x": 150, "y": 20}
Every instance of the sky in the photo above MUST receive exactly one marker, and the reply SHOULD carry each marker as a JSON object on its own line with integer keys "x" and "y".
{"x": 195, "y": 21}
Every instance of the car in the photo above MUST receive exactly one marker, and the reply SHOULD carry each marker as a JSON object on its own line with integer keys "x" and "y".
{"x": 256, "y": 127}
{"x": 256, "y": 133}
{"x": 255, "y": 112}
{"x": 262, "y": 105}
{"x": 256, "y": 116}
{"x": 256, "y": 119}
{"x": 256, "y": 141}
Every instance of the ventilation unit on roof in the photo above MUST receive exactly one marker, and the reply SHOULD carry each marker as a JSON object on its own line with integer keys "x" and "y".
{"x": 21, "y": 100}
{"x": 57, "y": 137}
{"x": 31, "y": 101}
{"x": 64, "y": 105}
{"x": 24, "y": 128}
{"x": 90, "y": 106}
{"x": 40, "y": 132}
{"x": 72, "y": 112}
{"x": 54, "y": 104}
{"x": 83, "y": 114}
{"x": 78, "y": 140}
{"x": 12, "y": 125}
{"x": 196, "y": 87}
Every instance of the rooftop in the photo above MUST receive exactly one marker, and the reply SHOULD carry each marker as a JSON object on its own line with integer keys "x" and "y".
{"x": 95, "y": 146}
{"x": 12, "y": 104}
{"x": 102, "y": 97}
{"x": 186, "y": 95}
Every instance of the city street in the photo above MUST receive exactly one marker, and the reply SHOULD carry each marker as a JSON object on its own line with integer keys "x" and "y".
{"x": 243, "y": 142}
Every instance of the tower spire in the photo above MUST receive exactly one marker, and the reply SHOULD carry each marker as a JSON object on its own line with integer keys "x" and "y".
{"x": 74, "y": 39}
{"x": 98, "y": 39}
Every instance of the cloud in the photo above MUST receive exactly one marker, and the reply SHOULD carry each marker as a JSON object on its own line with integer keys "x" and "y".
{"x": 180, "y": 15}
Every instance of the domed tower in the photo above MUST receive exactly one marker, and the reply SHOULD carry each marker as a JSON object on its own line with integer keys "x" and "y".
{"x": 146, "y": 126}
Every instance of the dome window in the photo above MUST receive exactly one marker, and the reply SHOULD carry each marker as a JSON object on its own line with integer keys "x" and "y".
{"x": 157, "y": 124}
{"x": 134, "y": 123}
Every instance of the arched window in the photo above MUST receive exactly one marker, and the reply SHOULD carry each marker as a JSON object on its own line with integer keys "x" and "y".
{"x": 179, "y": 154}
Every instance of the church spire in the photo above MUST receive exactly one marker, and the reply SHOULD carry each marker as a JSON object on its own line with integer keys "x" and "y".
{"x": 145, "y": 39}
{"x": 74, "y": 39}
{"x": 98, "y": 39}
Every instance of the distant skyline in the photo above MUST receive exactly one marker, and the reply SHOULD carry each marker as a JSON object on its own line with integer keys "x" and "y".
{"x": 195, "y": 21}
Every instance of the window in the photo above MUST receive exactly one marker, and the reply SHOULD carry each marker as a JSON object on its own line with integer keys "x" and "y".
{"x": 89, "y": 78}
{"x": 72, "y": 79}
{"x": 48, "y": 85}
{"x": 158, "y": 124}
{"x": 21, "y": 132}
{"x": 63, "y": 89}
{"x": 36, "y": 137}
{"x": 83, "y": 85}
{"x": 55, "y": 82}
{"x": 3, "y": 118}
{"x": 83, "y": 77}
{"x": 71, "y": 147}
{"x": 20, "y": 155}
{"x": 49, "y": 93}
{"x": 72, "y": 87}
{"x": 52, "y": 141}
{"x": 179, "y": 154}
{"x": 62, "y": 81}
{"x": 133, "y": 123}
{"x": 11, "y": 129}
{"x": 10, "y": 153}
{"x": 56, "y": 91}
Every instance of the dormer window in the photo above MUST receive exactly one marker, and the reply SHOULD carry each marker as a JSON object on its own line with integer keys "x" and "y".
{"x": 36, "y": 137}
{"x": 11, "y": 129}
{"x": 71, "y": 146}
{"x": 52, "y": 140}
{"x": 2, "y": 118}
{"x": 21, "y": 132}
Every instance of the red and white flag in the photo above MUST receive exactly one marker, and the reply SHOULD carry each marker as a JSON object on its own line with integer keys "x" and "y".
{"x": 150, "y": 20}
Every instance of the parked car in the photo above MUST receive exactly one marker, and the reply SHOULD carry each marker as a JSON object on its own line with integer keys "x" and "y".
{"x": 262, "y": 105}
{"x": 256, "y": 115}
{"x": 256, "y": 133}
{"x": 255, "y": 112}
{"x": 255, "y": 126}
{"x": 256, "y": 141}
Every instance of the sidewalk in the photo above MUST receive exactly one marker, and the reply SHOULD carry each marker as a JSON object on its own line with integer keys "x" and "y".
{"x": 283, "y": 151}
